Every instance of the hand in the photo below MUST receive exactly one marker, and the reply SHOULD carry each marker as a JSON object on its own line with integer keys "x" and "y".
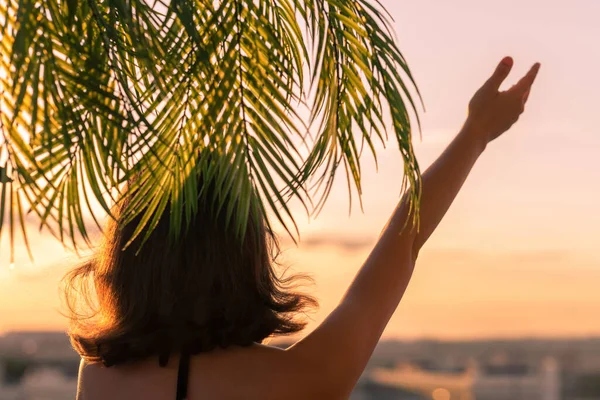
{"x": 492, "y": 112}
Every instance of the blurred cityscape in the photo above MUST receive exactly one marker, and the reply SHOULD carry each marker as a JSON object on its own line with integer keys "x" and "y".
{"x": 43, "y": 366}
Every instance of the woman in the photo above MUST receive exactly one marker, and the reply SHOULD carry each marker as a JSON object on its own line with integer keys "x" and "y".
{"x": 187, "y": 320}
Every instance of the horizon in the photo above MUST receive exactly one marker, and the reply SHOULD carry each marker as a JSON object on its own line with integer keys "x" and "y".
{"x": 516, "y": 255}
{"x": 286, "y": 341}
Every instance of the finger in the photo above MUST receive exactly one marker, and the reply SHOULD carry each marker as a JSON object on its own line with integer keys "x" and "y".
{"x": 500, "y": 74}
{"x": 526, "y": 95}
{"x": 524, "y": 85}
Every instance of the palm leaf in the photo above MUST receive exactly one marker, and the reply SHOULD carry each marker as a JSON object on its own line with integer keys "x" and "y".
{"x": 98, "y": 92}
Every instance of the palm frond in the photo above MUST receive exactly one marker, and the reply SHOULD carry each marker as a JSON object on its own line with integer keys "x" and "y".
{"x": 110, "y": 99}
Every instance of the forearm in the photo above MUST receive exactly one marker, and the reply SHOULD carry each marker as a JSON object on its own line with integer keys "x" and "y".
{"x": 443, "y": 180}
{"x": 382, "y": 280}
{"x": 351, "y": 332}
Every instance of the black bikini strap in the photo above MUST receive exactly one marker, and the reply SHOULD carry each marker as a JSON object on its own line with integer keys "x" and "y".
{"x": 182, "y": 376}
{"x": 163, "y": 359}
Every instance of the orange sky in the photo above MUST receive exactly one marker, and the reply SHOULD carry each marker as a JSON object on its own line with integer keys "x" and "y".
{"x": 518, "y": 252}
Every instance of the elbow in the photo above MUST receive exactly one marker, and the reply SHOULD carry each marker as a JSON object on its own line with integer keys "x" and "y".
{"x": 414, "y": 253}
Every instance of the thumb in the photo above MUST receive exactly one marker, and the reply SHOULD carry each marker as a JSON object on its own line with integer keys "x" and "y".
{"x": 500, "y": 74}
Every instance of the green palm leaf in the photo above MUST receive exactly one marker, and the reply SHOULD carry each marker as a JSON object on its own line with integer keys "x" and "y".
{"x": 263, "y": 99}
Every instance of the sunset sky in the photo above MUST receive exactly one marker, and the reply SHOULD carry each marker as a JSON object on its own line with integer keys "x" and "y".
{"x": 518, "y": 253}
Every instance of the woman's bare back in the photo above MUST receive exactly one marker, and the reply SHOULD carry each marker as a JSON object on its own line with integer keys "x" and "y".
{"x": 238, "y": 373}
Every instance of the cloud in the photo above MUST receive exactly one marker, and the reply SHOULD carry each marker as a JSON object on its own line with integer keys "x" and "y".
{"x": 332, "y": 240}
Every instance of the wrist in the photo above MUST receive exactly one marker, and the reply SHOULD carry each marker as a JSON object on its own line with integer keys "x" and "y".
{"x": 475, "y": 133}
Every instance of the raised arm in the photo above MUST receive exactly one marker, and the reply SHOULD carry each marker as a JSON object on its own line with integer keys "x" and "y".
{"x": 340, "y": 347}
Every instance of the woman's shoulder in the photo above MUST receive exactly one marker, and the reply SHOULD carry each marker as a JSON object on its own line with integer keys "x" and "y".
{"x": 256, "y": 371}
{"x": 142, "y": 378}
{"x": 239, "y": 364}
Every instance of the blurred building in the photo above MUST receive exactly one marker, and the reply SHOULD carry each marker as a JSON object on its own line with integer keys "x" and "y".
{"x": 368, "y": 389}
{"x": 517, "y": 381}
{"x": 428, "y": 379}
{"x": 37, "y": 366}
{"x": 41, "y": 384}
{"x": 476, "y": 381}
{"x": 38, "y": 383}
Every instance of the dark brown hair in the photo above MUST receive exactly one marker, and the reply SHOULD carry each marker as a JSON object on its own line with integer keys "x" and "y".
{"x": 207, "y": 289}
